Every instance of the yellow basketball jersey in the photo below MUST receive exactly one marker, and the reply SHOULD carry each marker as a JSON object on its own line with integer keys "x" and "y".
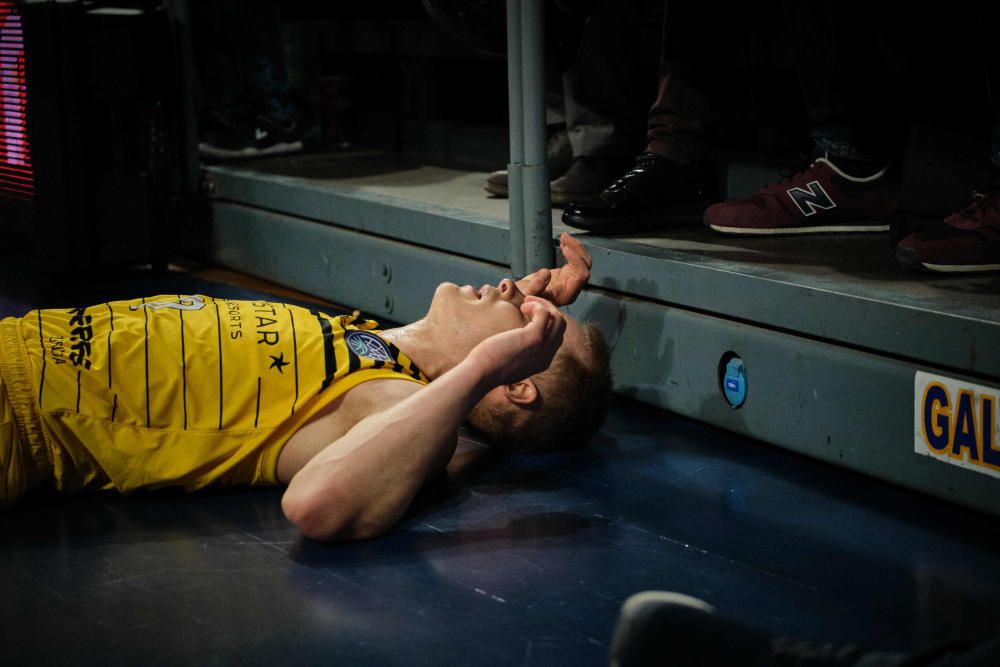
{"x": 190, "y": 390}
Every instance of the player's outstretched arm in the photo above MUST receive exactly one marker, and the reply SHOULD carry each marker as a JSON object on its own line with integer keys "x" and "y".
{"x": 560, "y": 286}
{"x": 360, "y": 485}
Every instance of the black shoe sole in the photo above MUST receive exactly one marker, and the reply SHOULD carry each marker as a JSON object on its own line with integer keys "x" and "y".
{"x": 496, "y": 190}
{"x": 678, "y": 214}
{"x": 908, "y": 258}
{"x": 283, "y": 148}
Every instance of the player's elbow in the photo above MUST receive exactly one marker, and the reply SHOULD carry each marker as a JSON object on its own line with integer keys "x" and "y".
{"x": 330, "y": 515}
{"x": 319, "y": 516}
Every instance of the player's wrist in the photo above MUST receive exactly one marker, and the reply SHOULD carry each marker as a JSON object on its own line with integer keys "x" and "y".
{"x": 482, "y": 372}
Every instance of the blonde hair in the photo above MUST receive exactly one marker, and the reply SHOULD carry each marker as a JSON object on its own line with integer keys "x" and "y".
{"x": 574, "y": 397}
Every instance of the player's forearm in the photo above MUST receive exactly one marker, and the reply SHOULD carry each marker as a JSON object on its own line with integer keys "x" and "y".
{"x": 361, "y": 485}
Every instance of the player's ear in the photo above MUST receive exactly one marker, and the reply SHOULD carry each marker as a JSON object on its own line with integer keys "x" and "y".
{"x": 523, "y": 393}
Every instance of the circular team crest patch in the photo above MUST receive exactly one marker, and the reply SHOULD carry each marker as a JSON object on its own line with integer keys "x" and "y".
{"x": 365, "y": 344}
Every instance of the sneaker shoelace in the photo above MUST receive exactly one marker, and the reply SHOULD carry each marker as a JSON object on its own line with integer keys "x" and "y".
{"x": 646, "y": 160}
{"x": 984, "y": 211}
{"x": 795, "y": 171}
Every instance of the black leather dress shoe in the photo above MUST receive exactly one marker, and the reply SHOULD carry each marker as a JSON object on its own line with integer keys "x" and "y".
{"x": 644, "y": 198}
{"x": 585, "y": 181}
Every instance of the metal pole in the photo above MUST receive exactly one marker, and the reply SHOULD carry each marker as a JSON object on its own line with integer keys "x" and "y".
{"x": 515, "y": 191}
{"x": 538, "y": 247}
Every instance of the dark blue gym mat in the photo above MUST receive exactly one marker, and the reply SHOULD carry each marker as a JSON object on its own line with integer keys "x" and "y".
{"x": 526, "y": 563}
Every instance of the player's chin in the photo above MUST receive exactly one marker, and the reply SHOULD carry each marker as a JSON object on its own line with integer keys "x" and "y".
{"x": 444, "y": 289}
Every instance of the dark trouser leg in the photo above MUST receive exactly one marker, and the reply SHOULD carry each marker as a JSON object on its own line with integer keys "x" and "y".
{"x": 696, "y": 78}
{"x": 241, "y": 57}
{"x": 600, "y": 107}
{"x": 843, "y": 79}
{"x": 678, "y": 120}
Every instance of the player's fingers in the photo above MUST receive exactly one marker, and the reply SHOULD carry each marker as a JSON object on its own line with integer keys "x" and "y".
{"x": 542, "y": 278}
{"x": 539, "y": 321}
{"x": 539, "y": 311}
{"x": 536, "y": 282}
{"x": 540, "y": 302}
{"x": 544, "y": 314}
{"x": 573, "y": 250}
{"x": 533, "y": 308}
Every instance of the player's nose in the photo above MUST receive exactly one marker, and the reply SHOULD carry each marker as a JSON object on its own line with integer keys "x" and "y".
{"x": 510, "y": 292}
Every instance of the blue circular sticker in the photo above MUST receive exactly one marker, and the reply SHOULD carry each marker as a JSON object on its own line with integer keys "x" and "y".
{"x": 734, "y": 381}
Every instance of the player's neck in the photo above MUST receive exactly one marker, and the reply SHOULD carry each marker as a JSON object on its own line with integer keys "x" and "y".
{"x": 422, "y": 342}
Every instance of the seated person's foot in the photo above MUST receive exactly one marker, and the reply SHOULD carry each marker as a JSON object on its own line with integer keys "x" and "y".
{"x": 822, "y": 198}
{"x": 584, "y": 181}
{"x": 663, "y": 628}
{"x": 558, "y": 156}
{"x": 234, "y": 136}
{"x": 966, "y": 241}
{"x": 641, "y": 199}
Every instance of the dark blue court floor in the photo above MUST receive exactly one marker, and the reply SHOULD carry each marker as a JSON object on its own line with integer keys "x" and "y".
{"x": 524, "y": 564}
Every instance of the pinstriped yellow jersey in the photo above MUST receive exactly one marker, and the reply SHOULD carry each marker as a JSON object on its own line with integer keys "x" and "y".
{"x": 190, "y": 390}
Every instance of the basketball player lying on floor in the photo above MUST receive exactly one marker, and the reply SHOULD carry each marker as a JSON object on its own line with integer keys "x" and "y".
{"x": 188, "y": 391}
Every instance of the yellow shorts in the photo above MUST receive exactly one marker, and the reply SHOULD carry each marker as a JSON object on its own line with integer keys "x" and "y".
{"x": 24, "y": 459}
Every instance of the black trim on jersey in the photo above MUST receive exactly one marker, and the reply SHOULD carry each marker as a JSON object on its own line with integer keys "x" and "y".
{"x": 329, "y": 354}
{"x": 41, "y": 341}
{"x": 111, "y": 321}
{"x": 184, "y": 376}
{"x": 218, "y": 328}
{"x": 145, "y": 314}
{"x": 295, "y": 356}
{"x": 257, "y": 414}
{"x": 353, "y": 361}
{"x": 410, "y": 368}
{"x": 114, "y": 408}
{"x": 78, "y": 391}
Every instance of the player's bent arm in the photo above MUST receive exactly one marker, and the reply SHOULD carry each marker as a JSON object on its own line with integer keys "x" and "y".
{"x": 360, "y": 485}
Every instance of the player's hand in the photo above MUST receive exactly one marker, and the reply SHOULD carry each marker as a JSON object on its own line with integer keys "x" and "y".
{"x": 520, "y": 353}
{"x": 560, "y": 286}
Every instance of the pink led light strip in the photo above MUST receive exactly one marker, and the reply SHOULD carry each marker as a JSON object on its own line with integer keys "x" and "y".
{"x": 16, "y": 173}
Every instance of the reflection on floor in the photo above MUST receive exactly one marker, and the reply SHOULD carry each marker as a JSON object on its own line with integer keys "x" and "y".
{"x": 526, "y": 563}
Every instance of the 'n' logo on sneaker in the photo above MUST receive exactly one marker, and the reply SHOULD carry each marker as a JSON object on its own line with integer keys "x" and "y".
{"x": 259, "y": 133}
{"x": 811, "y": 198}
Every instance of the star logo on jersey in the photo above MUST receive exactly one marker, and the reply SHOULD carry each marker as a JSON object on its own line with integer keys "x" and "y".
{"x": 278, "y": 362}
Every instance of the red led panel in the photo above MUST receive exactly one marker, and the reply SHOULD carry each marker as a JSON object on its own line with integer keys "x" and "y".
{"x": 16, "y": 174}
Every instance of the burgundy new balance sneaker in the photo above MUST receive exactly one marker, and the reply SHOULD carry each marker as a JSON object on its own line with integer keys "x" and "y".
{"x": 820, "y": 199}
{"x": 967, "y": 241}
